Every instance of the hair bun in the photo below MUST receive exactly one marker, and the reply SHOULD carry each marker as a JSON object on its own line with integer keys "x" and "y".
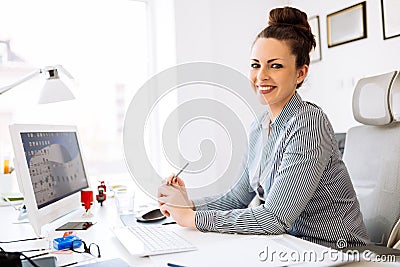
{"x": 288, "y": 16}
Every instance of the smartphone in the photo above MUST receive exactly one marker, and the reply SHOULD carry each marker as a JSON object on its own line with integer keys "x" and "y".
{"x": 75, "y": 226}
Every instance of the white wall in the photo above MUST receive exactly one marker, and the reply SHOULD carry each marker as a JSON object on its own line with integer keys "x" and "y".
{"x": 222, "y": 31}
{"x": 219, "y": 31}
{"x": 332, "y": 80}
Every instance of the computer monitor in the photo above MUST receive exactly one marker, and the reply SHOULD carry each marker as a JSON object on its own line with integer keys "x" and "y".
{"x": 50, "y": 170}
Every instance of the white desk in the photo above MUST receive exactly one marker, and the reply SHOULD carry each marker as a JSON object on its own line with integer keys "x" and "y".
{"x": 213, "y": 249}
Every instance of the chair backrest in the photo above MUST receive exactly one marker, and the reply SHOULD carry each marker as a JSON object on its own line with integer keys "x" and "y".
{"x": 372, "y": 153}
{"x": 341, "y": 141}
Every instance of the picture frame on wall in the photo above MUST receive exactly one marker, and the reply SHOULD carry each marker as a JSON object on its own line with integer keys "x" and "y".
{"x": 347, "y": 25}
{"x": 316, "y": 54}
{"x": 390, "y": 18}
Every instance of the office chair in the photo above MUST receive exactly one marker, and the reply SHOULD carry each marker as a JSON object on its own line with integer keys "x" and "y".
{"x": 341, "y": 140}
{"x": 372, "y": 154}
{"x": 394, "y": 238}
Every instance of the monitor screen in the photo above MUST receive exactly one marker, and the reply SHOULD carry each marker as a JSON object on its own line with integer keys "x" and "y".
{"x": 50, "y": 170}
{"x": 55, "y": 165}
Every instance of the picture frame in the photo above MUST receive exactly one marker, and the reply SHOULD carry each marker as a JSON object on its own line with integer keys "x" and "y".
{"x": 347, "y": 25}
{"x": 315, "y": 54}
{"x": 390, "y": 18}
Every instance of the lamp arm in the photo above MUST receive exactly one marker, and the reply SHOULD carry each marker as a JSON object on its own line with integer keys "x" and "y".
{"x": 26, "y": 78}
{"x": 60, "y": 67}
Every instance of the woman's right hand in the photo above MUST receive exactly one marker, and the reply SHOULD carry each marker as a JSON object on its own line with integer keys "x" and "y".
{"x": 173, "y": 191}
{"x": 174, "y": 180}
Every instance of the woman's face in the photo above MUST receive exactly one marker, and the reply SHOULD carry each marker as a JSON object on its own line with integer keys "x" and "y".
{"x": 274, "y": 74}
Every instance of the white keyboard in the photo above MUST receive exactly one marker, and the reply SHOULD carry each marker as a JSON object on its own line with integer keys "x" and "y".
{"x": 151, "y": 240}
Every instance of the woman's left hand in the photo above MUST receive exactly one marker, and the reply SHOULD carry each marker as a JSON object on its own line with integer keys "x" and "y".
{"x": 183, "y": 216}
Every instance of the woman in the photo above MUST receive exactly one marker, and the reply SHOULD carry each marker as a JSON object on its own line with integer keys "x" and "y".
{"x": 305, "y": 186}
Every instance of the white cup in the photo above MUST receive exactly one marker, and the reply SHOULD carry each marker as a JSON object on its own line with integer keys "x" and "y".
{"x": 8, "y": 183}
{"x": 124, "y": 200}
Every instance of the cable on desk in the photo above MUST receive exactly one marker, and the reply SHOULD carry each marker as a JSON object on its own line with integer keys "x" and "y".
{"x": 19, "y": 240}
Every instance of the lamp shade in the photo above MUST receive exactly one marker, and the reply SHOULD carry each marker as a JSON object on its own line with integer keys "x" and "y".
{"x": 54, "y": 90}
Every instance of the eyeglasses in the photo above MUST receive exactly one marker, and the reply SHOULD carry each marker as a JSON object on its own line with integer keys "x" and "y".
{"x": 92, "y": 249}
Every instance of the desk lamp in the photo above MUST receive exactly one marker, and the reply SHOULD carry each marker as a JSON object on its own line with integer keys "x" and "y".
{"x": 54, "y": 90}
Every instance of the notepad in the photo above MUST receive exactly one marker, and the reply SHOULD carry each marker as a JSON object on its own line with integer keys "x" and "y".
{"x": 12, "y": 196}
{"x": 113, "y": 262}
{"x": 11, "y": 199}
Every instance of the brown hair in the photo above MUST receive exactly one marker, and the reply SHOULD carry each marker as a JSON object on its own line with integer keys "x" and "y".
{"x": 291, "y": 25}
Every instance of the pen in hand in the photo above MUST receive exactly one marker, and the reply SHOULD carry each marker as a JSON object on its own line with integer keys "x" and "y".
{"x": 168, "y": 223}
{"x": 184, "y": 167}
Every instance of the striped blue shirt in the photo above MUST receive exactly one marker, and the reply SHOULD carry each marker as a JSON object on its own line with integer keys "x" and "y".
{"x": 306, "y": 187}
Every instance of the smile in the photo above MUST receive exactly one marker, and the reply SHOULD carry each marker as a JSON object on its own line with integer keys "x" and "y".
{"x": 265, "y": 89}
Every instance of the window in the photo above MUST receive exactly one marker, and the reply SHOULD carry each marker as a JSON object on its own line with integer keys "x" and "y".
{"x": 103, "y": 44}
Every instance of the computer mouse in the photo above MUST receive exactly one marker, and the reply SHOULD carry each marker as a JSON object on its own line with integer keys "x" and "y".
{"x": 151, "y": 216}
